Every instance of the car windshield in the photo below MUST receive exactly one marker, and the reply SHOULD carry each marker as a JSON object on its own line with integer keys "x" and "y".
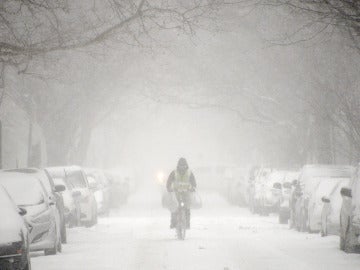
{"x": 76, "y": 180}
{"x": 277, "y": 176}
{"x": 25, "y": 191}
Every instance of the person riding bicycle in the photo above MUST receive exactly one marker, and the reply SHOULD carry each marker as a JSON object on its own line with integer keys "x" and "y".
{"x": 181, "y": 175}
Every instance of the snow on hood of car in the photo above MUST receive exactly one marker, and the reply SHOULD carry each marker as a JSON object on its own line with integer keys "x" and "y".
{"x": 12, "y": 222}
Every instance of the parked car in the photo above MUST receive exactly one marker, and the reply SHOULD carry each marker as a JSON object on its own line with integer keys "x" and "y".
{"x": 29, "y": 193}
{"x": 53, "y": 194}
{"x": 255, "y": 188}
{"x": 309, "y": 177}
{"x": 350, "y": 214}
{"x": 84, "y": 194}
{"x": 288, "y": 186}
{"x": 101, "y": 191}
{"x": 271, "y": 192}
{"x": 330, "y": 221}
{"x": 69, "y": 196}
{"x": 14, "y": 235}
{"x": 324, "y": 187}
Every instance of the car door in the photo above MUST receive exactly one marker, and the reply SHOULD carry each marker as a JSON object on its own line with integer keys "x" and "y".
{"x": 42, "y": 217}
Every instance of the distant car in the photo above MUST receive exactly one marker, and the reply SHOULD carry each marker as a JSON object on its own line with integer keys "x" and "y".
{"x": 53, "y": 193}
{"x": 72, "y": 210}
{"x": 330, "y": 221}
{"x": 30, "y": 194}
{"x": 309, "y": 178}
{"x": 76, "y": 178}
{"x": 14, "y": 235}
{"x": 255, "y": 188}
{"x": 323, "y": 189}
{"x": 101, "y": 191}
{"x": 271, "y": 192}
{"x": 350, "y": 214}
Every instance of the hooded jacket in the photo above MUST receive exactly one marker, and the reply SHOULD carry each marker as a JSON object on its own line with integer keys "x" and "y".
{"x": 174, "y": 175}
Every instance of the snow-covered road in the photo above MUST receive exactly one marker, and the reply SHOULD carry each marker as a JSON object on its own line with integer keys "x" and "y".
{"x": 222, "y": 237}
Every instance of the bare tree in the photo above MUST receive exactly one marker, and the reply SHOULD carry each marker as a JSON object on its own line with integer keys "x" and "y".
{"x": 321, "y": 17}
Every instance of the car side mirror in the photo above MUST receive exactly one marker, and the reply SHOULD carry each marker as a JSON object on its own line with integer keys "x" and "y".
{"x": 22, "y": 211}
{"x": 346, "y": 192}
{"x": 325, "y": 199}
{"x": 59, "y": 188}
{"x": 76, "y": 194}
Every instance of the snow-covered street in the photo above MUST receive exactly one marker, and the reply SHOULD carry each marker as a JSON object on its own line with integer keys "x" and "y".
{"x": 137, "y": 236}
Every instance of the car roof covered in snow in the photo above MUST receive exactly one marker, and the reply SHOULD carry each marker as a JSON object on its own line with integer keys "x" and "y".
{"x": 333, "y": 171}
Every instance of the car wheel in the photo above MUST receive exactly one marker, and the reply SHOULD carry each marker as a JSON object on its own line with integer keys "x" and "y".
{"x": 54, "y": 249}
{"x": 51, "y": 251}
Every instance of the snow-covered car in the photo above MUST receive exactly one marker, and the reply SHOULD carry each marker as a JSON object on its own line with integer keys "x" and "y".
{"x": 52, "y": 191}
{"x": 309, "y": 178}
{"x": 350, "y": 214}
{"x": 255, "y": 188}
{"x": 84, "y": 194}
{"x": 29, "y": 193}
{"x": 330, "y": 221}
{"x": 99, "y": 181}
{"x": 72, "y": 209}
{"x": 271, "y": 192}
{"x": 14, "y": 235}
{"x": 324, "y": 188}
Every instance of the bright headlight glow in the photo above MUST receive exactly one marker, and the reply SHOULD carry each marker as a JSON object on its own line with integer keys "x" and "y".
{"x": 160, "y": 177}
